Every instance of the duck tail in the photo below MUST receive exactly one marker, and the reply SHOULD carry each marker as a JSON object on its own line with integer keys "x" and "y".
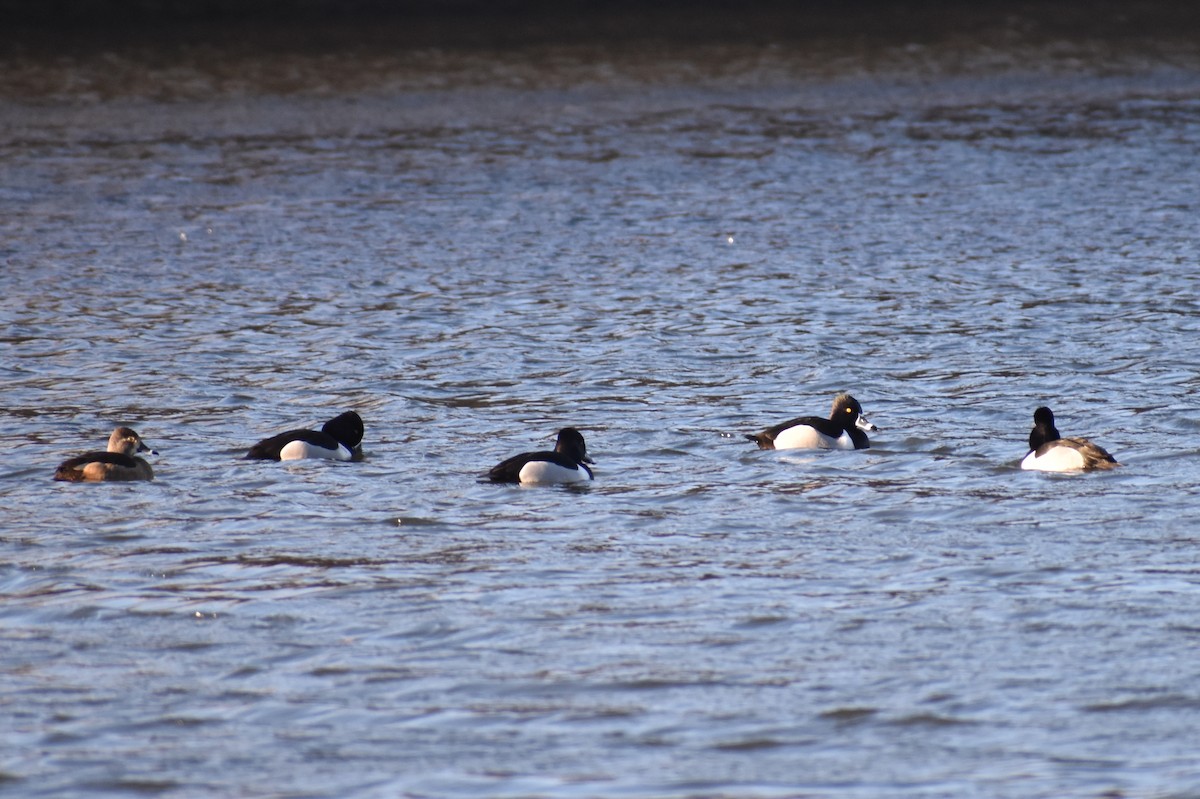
{"x": 68, "y": 474}
{"x": 763, "y": 441}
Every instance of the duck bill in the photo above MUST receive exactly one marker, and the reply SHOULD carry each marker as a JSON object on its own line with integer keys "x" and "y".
{"x": 862, "y": 424}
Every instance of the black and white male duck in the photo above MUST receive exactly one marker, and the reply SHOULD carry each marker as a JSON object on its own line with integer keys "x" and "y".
{"x": 567, "y": 463}
{"x": 339, "y": 439}
{"x": 1050, "y": 452}
{"x": 842, "y": 430}
{"x": 119, "y": 462}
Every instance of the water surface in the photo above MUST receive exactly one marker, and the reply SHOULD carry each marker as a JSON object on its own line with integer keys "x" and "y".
{"x": 667, "y": 246}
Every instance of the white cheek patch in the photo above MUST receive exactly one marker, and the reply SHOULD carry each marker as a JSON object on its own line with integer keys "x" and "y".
{"x": 546, "y": 472}
{"x": 299, "y": 450}
{"x": 1058, "y": 459}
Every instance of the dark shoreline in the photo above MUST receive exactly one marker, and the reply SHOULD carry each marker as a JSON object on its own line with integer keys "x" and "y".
{"x": 475, "y": 22}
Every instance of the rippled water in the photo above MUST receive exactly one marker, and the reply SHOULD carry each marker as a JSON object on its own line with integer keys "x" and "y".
{"x": 667, "y": 248}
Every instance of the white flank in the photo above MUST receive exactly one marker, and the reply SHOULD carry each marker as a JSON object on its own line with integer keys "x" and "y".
{"x": 299, "y": 450}
{"x": 547, "y": 472}
{"x": 804, "y": 437}
{"x": 1061, "y": 458}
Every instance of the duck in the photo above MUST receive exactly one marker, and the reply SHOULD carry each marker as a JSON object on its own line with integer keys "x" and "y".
{"x": 1050, "y": 452}
{"x": 844, "y": 429}
{"x": 117, "y": 463}
{"x": 339, "y": 439}
{"x": 568, "y": 463}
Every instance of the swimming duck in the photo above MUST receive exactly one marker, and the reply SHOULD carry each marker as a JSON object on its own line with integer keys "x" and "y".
{"x": 1050, "y": 452}
{"x": 118, "y": 463}
{"x": 566, "y": 464}
{"x": 842, "y": 430}
{"x": 338, "y": 440}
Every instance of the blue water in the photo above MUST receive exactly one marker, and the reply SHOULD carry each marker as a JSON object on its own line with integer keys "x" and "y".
{"x": 473, "y": 248}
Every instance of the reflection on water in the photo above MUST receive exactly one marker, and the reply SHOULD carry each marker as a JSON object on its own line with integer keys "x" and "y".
{"x": 474, "y": 245}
